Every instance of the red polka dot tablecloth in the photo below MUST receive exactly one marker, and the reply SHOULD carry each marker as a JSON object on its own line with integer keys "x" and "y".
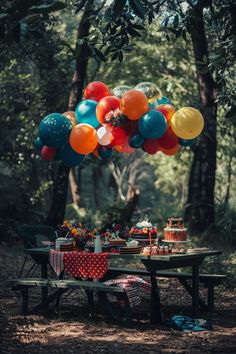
{"x": 86, "y": 265}
{"x": 80, "y": 264}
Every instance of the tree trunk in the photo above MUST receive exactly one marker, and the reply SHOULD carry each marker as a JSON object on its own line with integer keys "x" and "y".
{"x": 200, "y": 210}
{"x": 96, "y": 175}
{"x": 57, "y": 210}
{"x": 132, "y": 201}
{"x": 73, "y": 188}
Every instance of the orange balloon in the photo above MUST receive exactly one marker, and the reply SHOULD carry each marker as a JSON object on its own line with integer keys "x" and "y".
{"x": 83, "y": 138}
{"x": 172, "y": 151}
{"x": 134, "y": 104}
{"x": 71, "y": 116}
{"x": 119, "y": 148}
{"x": 168, "y": 110}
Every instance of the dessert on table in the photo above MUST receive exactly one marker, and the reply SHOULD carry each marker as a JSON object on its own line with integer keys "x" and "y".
{"x": 143, "y": 230}
{"x": 117, "y": 241}
{"x": 175, "y": 231}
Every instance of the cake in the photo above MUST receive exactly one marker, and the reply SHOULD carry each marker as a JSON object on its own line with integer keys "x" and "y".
{"x": 142, "y": 230}
{"x": 175, "y": 230}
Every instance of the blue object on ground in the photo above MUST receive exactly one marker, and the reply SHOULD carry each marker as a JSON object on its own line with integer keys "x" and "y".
{"x": 188, "y": 324}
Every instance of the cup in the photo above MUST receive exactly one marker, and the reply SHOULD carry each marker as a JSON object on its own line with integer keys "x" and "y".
{"x": 59, "y": 241}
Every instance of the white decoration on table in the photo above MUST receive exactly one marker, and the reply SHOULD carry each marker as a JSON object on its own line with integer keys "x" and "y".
{"x": 132, "y": 243}
{"x": 98, "y": 245}
{"x": 60, "y": 241}
{"x": 144, "y": 223}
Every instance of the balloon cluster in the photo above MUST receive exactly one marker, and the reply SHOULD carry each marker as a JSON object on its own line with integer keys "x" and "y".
{"x": 123, "y": 119}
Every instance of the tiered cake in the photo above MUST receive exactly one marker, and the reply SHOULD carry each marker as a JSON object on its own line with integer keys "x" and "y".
{"x": 175, "y": 230}
{"x": 142, "y": 230}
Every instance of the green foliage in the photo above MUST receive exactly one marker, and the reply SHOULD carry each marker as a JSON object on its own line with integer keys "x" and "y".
{"x": 33, "y": 80}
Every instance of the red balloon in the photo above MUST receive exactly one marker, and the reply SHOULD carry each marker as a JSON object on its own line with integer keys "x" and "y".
{"x": 48, "y": 153}
{"x": 118, "y": 136}
{"x": 168, "y": 140}
{"x": 151, "y": 146}
{"x": 126, "y": 147}
{"x": 167, "y": 110}
{"x": 106, "y": 108}
{"x": 96, "y": 90}
{"x": 172, "y": 151}
{"x": 95, "y": 152}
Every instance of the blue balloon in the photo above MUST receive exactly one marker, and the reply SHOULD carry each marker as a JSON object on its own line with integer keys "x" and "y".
{"x": 85, "y": 112}
{"x": 164, "y": 100}
{"x": 152, "y": 125}
{"x": 136, "y": 141}
{"x": 187, "y": 142}
{"x": 104, "y": 153}
{"x": 57, "y": 156}
{"x": 54, "y": 130}
{"x": 38, "y": 143}
{"x": 69, "y": 157}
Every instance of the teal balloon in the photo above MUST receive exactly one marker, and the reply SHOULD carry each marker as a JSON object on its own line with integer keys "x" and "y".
{"x": 85, "y": 112}
{"x": 136, "y": 141}
{"x": 38, "y": 143}
{"x": 152, "y": 125}
{"x": 163, "y": 100}
{"x": 54, "y": 130}
{"x": 187, "y": 142}
{"x": 105, "y": 153}
{"x": 69, "y": 157}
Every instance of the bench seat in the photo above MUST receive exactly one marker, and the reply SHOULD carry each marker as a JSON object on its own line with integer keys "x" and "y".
{"x": 209, "y": 280}
{"x": 203, "y": 278}
{"x": 23, "y": 285}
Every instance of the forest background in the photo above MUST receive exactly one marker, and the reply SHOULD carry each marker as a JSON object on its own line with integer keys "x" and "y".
{"x": 51, "y": 49}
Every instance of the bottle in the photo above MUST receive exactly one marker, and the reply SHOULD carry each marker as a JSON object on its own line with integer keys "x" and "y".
{"x": 98, "y": 245}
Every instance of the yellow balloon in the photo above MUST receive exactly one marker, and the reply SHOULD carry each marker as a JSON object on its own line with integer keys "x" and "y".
{"x": 187, "y": 123}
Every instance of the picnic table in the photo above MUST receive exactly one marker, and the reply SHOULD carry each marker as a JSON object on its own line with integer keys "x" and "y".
{"x": 153, "y": 264}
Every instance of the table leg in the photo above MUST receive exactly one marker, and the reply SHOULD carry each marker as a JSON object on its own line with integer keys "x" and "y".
{"x": 156, "y": 312}
{"x": 23, "y": 266}
{"x": 44, "y": 275}
{"x": 195, "y": 287}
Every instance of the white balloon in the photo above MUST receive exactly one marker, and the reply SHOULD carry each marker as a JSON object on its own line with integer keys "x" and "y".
{"x": 104, "y": 135}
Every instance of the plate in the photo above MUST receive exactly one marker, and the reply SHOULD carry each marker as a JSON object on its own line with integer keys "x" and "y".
{"x": 117, "y": 242}
{"x": 175, "y": 241}
{"x": 178, "y": 252}
{"x": 48, "y": 243}
{"x": 198, "y": 250}
{"x": 130, "y": 250}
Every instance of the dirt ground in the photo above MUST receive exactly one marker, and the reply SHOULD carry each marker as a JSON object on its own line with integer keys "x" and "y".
{"x": 71, "y": 330}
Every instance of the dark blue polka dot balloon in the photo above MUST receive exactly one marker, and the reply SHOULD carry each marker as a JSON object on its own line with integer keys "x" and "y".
{"x": 54, "y": 130}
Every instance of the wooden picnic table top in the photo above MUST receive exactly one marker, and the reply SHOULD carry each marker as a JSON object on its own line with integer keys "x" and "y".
{"x": 160, "y": 258}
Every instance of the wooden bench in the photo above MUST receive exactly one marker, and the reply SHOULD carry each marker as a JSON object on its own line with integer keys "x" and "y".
{"x": 24, "y": 284}
{"x": 209, "y": 281}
